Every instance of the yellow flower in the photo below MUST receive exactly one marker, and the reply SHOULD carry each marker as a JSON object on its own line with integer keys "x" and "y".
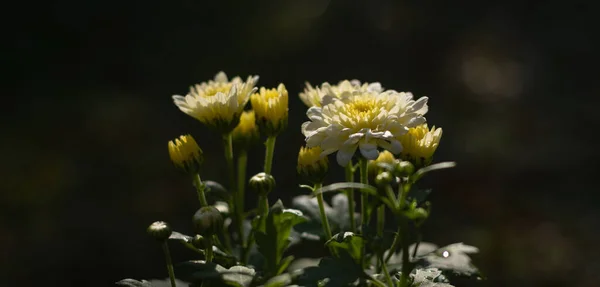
{"x": 185, "y": 154}
{"x": 419, "y": 144}
{"x": 313, "y": 97}
{"x": 374, "y": 168}
{"x": 363, "y": 120}
{"x": 246, "y": 133}
{"x": 271, "y": 109}
{"x": 217, "y": 103}
{"x": 311, "y": 165}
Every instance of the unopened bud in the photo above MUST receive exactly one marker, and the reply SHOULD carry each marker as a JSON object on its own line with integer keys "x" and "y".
{"x": 207, "y": 221}
{"x": 405, "y": 168}
{"x": 384, "y": 179}
{"x": 160, "y": 230}
{"x": 262, "y": 183}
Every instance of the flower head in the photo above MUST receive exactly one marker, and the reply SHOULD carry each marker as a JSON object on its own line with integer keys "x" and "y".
{"x": 246, "y": 133}
{"x": 419, "y": 144}
{"x": 313, "y": 97}
{"x": 311, "y": 165}
{"x": 271, "y": 109}
{"x": 185, "y": 154}
{"x": 363, "y": 120}
{"x": 217, "y": 103}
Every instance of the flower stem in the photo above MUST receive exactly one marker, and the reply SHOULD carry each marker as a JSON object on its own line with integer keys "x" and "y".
{"x": 350, "y": 194}
{"x": 386, "y": 272}
{"x": 209, "y": 249}
{"x": 200, "y": 190}
{"x": 364, "y": 179}
{"x": 394, "y": 247}
{"x": 263, "y": 210}
{"x": 406, "y": 268}
{"x": 228, "y": 145}
{"x": 380, "y": 220}
{"x": 240, "y": 195}
{"x": 165, "y": 248}
{"x": 324, "y": 220}
{"x": 270, "y": 150}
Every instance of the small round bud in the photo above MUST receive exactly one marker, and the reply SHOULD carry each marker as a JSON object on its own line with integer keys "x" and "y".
{"x": 384, "y": 179}
{"x": 262, "y": 183}
{"x": 405, "y": 168}
{"x": 207, "y": 221}
{"x": 160, "y": 230}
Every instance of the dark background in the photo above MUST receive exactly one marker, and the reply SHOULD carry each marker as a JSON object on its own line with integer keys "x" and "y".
{"x": 85, "y": 128}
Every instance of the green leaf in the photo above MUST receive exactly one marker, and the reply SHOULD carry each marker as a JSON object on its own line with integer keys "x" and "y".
{"x": 134, "y": 283}
{"x": 337, "y": 214}
{"x": 395, "y": 262}
{"x": 422, "y": 171}
{"x": 332, "y": 272}
{"x": 345, "y": 185}
{"x": 151, "y": 283}
{"x": 220, "y": 256}
{"x": 349, "y": 242}
{"x": 453, "y": 258}
{"x": 200, "y": 271}
{"x": 180, "y": 237}
{"x": 275, "y": 240}
{"x": 429, "y": 277}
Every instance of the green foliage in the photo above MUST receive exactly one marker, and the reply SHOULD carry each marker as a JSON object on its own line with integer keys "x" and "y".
{"x": 340, "y": 271}
{"x": 273, "y": 242}
{"x": 199, "y": 271}
{"x": 337, "y": 214}
{"x": 350, "y": 243}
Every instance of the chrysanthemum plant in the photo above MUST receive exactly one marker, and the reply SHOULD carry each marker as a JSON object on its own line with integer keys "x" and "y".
{"x": 380, "y": 135}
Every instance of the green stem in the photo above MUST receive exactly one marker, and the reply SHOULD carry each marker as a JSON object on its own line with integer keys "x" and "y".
{"x": 209, "y": 249}
{"x": 263, "y": 210}
{"x": 350, "y": 194}
{"x": 324, "y": 220}
{"x": 240, "y": 195}
{"x": 386, "y": 272}
{"x": 394, "y": 247}
{"x": 406, "y": 268}
{"x": 200, "y": 190}
{"x": 165, "y": 248}
{"x": 380, "y": 220}
{"x": 269, "y": 151}
{"x": 228, "y": 146}
{"x": 364, "y": 179}
{"x": 376, "y": 282}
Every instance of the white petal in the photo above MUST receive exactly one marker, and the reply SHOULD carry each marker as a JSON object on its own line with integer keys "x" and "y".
{"x": 221, "y": 77}
{"x": 369, "y": 151}
{"x": 344, "y": 156}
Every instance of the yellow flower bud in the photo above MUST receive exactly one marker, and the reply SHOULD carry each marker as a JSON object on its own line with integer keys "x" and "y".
{"x": 311, "y": 165}
{"x": 185, "y": 154}
{"x": 271, "y": 109}
{"x": 419, "y": 144}
{"x": 374, "y": 166}
{"x": 246, "y": 132}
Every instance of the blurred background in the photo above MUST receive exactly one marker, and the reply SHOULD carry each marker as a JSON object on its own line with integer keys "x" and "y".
{"x": 85, "y": 167}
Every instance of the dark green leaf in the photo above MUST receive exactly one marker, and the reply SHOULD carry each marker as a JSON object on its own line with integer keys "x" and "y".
{"x": 180, "y": 237}
{"x": 453, "y": 258}
{"x": 275, "y": 240}
{"x": 349, "y": 242}
{"x": 332, "y": 272}
{"x": 337, "y": 214}
{"x": 198, "y": 271}
{"x": 216, "y": 190}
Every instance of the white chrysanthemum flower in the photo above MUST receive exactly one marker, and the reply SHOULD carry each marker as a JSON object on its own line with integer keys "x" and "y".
{"x": 313, "y": 97}
{"x": 217, "y": 103}
{"x": 362, "y": 120}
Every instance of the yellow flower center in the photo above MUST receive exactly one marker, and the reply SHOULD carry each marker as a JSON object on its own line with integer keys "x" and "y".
{"x": 214, "y": 89}
{"x": 361, "y": 112}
